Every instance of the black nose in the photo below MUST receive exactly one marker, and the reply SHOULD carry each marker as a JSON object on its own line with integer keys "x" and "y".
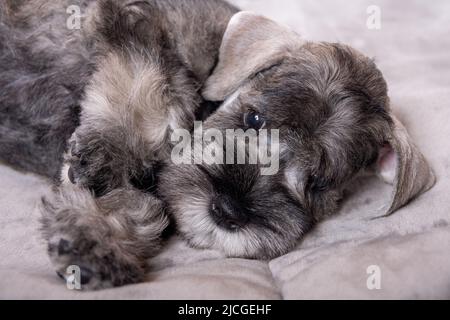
{"x": 228, "y": 213}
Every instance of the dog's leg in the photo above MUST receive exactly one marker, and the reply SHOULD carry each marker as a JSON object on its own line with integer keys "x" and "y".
{"x": 104, "y": 217}
{"x": 139, "y": 94}
{"x": 103, "y": 159}
{"x": 98, "y": 218}
{"x": 109, "y": 239}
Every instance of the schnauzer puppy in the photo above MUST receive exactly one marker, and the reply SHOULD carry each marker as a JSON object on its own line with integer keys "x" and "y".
{"x": 331, "y": 107}
{"x": 93, "y": 108}
{"x": 118, "y": 88}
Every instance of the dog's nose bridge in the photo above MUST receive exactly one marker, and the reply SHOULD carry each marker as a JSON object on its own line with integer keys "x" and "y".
{"x": 227, "y": 207}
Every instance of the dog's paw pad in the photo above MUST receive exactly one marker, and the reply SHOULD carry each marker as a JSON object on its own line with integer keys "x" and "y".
{"x": 60, "y": 275}
{"x": 65, "y": 256}
{"x": 64, "y": 247}
{"x": 58, "y": 246}
{"x": 86, "y": 275}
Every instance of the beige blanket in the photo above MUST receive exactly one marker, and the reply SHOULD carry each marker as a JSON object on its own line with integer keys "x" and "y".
{"x": 410, "y": 250}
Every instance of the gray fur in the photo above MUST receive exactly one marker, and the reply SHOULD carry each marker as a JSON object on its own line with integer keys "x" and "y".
{"x": 42, "y": 82}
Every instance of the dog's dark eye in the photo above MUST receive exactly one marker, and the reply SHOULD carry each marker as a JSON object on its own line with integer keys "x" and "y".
{"x": 254, "y": 120}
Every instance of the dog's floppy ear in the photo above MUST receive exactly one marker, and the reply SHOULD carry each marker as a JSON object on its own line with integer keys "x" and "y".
{"x": 251, "y": 43}
{"x": 404, "y": 166}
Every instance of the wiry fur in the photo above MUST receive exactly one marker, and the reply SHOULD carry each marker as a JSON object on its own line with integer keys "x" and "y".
{"x": 44, "y": 68}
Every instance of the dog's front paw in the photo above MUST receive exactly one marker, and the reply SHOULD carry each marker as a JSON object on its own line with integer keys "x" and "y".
{"x": 107, "y": 240}
{"x": 67, "y": 261}
{"x": 90, "y": 265}
{"x": 93, "y": 163}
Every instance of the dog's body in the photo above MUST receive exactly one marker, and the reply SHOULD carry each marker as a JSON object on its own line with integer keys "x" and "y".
{"x": 44, "y": 71}
{"x": 45, "y": 67}
{"x": 94, "y": 108}
{"x": 134, "y": 87}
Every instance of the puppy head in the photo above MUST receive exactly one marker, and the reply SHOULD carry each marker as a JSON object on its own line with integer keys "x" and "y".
{"x": 331, "y": 108}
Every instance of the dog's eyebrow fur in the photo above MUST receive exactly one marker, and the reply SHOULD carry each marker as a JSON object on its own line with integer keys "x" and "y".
{"x": 267, "y": 69}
